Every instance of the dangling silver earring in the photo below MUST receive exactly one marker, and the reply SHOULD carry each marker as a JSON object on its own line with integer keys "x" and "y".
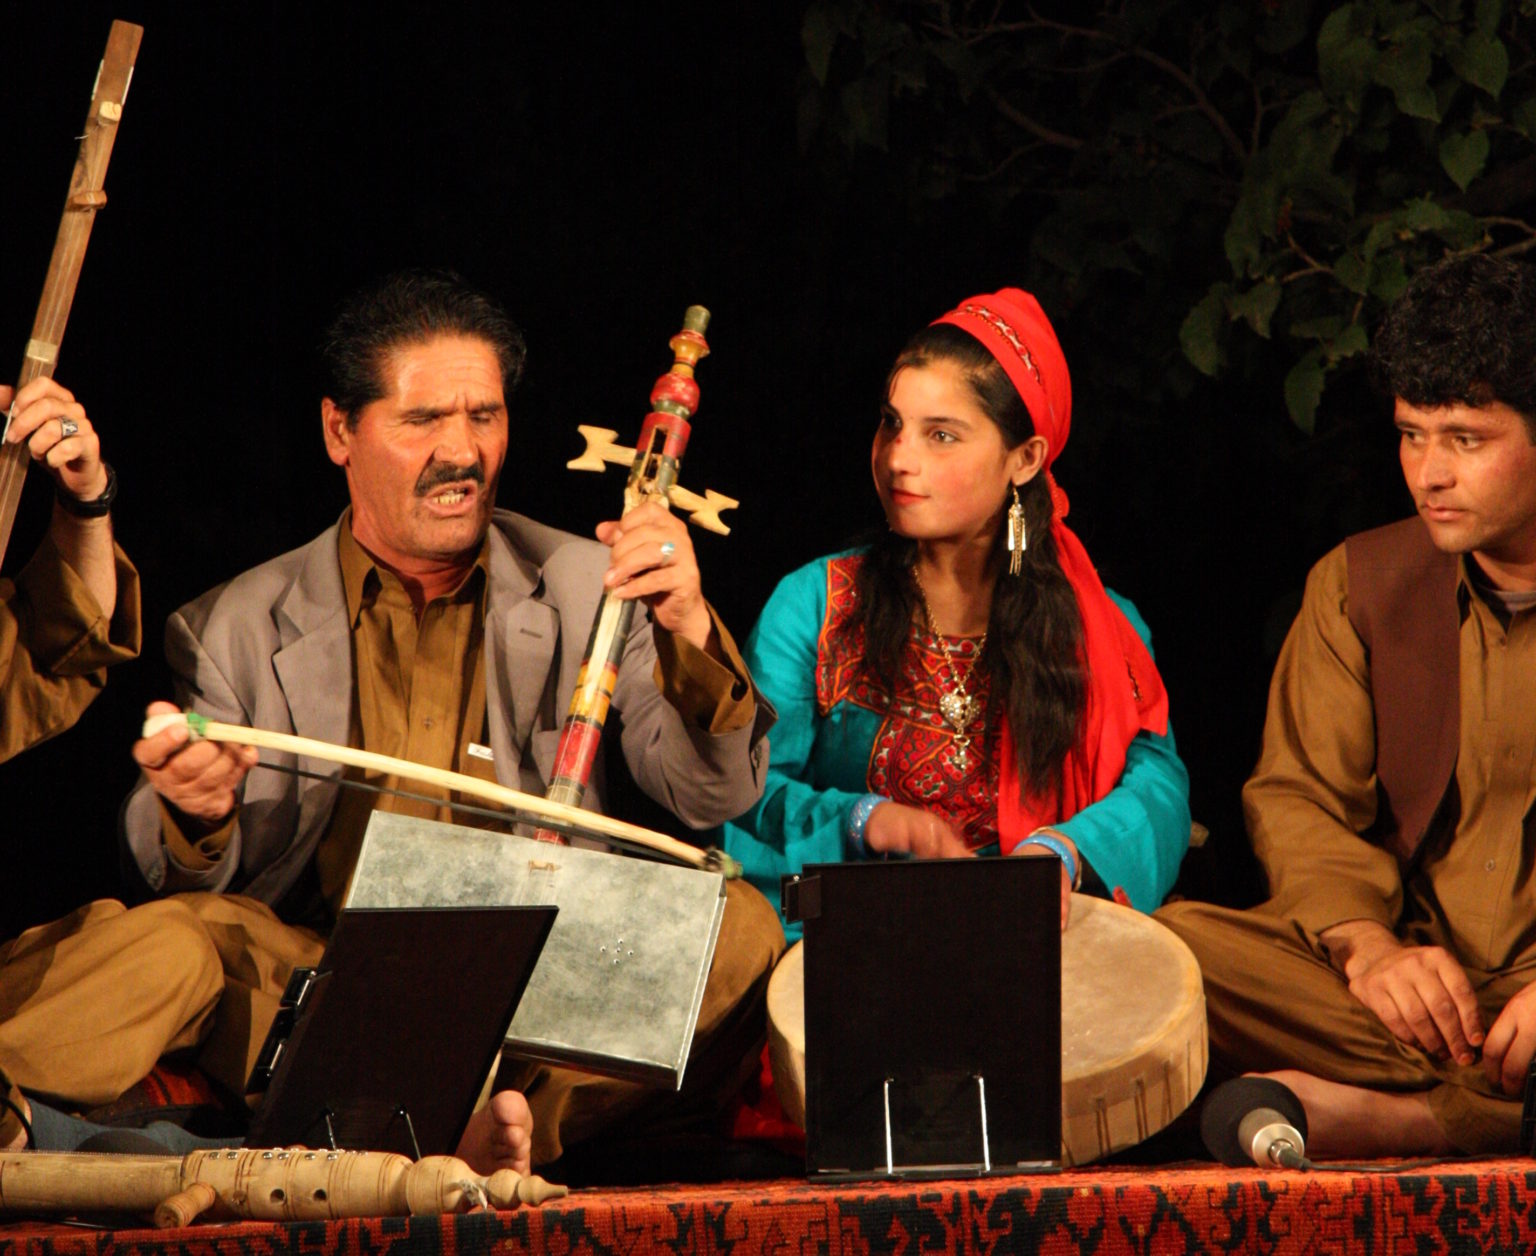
{"x": 1018, "y": 537}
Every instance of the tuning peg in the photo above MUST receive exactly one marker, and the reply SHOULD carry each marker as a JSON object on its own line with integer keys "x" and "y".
{"x": 600, "y": 449}
{"x": 703, "y": 511}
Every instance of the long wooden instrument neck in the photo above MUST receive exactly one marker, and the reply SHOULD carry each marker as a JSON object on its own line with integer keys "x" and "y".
{"x": 85, "y": 197}
{"x": 653, "y": 471}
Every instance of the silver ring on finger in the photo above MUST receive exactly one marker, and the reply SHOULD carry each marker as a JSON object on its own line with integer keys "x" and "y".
{"x": 68, "y": 428}
{"x": 668, "y": 549}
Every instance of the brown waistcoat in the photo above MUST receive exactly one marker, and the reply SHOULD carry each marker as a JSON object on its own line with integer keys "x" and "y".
{"x": 1402, "y": 602}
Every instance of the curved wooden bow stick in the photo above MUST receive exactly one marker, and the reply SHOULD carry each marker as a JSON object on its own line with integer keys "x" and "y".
{"x": 85, "y": 197}
{"x": 527, "y": 806}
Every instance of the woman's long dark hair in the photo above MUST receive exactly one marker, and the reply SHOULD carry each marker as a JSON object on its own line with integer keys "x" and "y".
{"x": 1034, "y": 636}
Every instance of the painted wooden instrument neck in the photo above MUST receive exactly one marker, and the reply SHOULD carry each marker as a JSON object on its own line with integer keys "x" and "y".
{"x": 84, "y": 198}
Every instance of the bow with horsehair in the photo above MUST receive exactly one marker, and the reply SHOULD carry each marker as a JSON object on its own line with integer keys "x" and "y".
{"x": 563, "y": 817}
{"x": 85, "y": 197}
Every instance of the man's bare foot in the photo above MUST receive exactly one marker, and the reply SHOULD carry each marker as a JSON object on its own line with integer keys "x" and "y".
{"x": 499, "y": 1135}
{"x": 1352, "y": 1122}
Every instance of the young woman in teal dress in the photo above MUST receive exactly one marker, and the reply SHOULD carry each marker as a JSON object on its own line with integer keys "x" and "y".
{"x": 966, "y": 685}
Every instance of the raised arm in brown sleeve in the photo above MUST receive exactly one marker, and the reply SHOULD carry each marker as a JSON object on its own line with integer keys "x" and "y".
{"x": 1314, "y": 789}
{"x": 717, "y": 697}
{"x": 55, "y": 645}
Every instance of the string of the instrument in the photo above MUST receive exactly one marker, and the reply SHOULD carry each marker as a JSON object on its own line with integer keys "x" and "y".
{"x": 463, "y": 808}
{"x": 84, "y": 198}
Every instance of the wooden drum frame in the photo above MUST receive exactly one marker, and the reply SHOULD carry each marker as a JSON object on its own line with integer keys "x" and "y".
{"x": 1133, "y": 1040}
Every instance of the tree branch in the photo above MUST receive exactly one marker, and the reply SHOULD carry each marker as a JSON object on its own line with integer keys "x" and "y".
{"x": 1025, "y": 123}
{"x": 1314, "y": 269}
{"x": 1518, "y": 223}
{"x": 1313, "y": 266}
{"x": 988, "y": 175}
{"x": 1510, "y": 250}
{"x": 1090, "y": 67}
{"x": 1182, "y": 76}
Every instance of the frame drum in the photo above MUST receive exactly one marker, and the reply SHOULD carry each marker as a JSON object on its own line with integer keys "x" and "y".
{"x": 1133, "y": 1045}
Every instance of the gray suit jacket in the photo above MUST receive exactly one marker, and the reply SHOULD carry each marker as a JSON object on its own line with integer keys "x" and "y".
{"x": 272, "y": 649}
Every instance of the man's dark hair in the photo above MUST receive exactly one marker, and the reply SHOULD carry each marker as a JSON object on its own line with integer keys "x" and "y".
{"x": 409, "y": 307}
{"x": 1462, "y": 333}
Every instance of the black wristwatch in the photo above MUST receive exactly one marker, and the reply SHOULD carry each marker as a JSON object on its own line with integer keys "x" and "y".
{"x": 97, "y": 506}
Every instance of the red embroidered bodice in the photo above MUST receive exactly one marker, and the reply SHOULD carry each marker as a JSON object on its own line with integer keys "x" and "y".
{"x": 910, "y": 761}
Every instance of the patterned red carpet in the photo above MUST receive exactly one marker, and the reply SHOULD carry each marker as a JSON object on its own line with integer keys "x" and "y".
{"x": 1467, "y": 1206}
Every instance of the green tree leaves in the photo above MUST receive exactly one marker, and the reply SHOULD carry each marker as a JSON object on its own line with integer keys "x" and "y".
{"x": 1274, "y": 171}
{"x": 1464, "y": 156}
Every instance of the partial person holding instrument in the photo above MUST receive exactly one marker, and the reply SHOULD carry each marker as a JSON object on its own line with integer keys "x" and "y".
{"x": 429, "y": 626}
{"x": 71, "y": 613}
{"x": 1387, "y": 980}
{"x": 74, "y": 608}
{"x": 966, "y": 684}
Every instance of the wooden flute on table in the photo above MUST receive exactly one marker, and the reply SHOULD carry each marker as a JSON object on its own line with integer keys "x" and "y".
{"x": 85, "y": 197}
{"x": 292, "y": 1184}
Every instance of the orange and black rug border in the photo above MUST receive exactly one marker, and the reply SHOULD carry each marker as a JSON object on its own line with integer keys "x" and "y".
{"x": 1465, "y": 1206}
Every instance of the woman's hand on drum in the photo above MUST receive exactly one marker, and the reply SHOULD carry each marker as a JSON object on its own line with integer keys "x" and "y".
{"x": 894, "y": 829}
{"x": 1031, "y": 851}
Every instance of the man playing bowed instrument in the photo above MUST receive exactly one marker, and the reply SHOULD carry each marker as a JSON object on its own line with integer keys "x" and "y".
{"x": 428, "y": 625}
{"x": 1392, "y": 804}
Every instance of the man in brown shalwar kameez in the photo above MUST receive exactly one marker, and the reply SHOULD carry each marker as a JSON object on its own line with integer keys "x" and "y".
{"x": 1388, "y": 978}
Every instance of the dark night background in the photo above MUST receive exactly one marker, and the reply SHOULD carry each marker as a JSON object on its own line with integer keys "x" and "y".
{"x": 599, "y": 170}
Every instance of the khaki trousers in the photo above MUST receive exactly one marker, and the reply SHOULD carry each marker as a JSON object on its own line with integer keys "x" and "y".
{"x": 89, "y": 1002}
{"x": 1273, "y": 1001}
{"x": 258, "y": 953}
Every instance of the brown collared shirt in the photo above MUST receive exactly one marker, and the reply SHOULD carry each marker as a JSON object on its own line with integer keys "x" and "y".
{"x": 419, "y": 695}
{"x": 1314, "y": 790}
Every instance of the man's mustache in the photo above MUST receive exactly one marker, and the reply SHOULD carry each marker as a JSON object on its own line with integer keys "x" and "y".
{"x": 440, "y": 473}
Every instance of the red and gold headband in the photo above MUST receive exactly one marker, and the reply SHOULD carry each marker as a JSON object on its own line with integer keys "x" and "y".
{"x": 1012, "y": 327}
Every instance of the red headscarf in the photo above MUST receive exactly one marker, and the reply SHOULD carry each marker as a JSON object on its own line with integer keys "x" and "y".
{"x": 1125, "y": 692}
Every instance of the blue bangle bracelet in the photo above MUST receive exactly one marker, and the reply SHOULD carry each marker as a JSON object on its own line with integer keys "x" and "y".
{"x": 858, "y": 819}
{"x": 1058, "y": 848}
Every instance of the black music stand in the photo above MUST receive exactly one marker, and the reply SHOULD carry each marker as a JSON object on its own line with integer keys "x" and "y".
{"x": 932, "y": 1016}
{"x": 386, "y": 1045}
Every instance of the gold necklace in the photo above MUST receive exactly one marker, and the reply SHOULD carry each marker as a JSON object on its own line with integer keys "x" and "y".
{"x": 958, "y": 707}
